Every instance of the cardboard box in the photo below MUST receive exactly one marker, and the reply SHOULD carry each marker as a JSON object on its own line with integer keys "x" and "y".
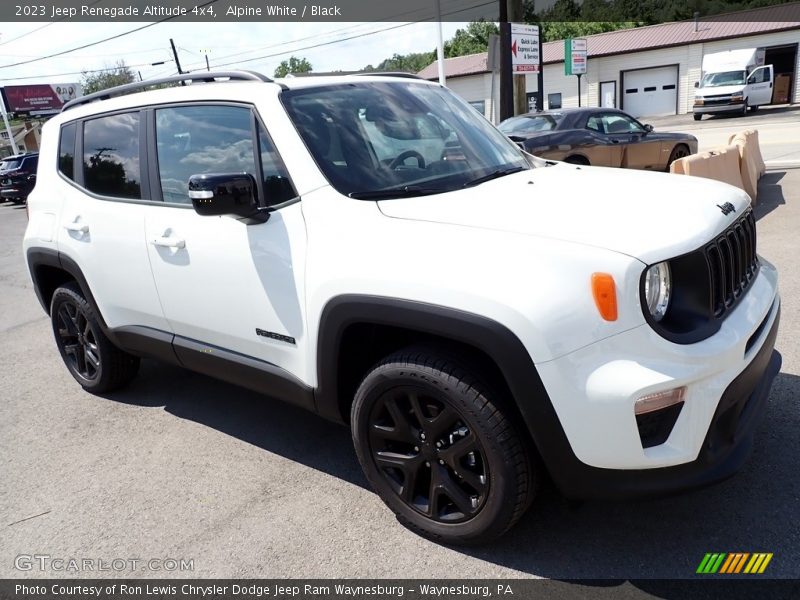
{"x": 782, "y": 89}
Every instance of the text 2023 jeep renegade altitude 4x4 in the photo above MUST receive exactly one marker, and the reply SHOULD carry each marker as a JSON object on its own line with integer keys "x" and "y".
{"x": 372, "y": 249}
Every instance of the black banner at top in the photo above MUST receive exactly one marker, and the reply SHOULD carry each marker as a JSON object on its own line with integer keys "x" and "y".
{"x": 210, "y": 11}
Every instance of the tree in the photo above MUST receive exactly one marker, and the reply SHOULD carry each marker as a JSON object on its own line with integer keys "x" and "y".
{"x": 473, "y": 39}
{"x": 293, "y": 65}
{"x": 118, "y": 74}
{"x": 408, "y": 63}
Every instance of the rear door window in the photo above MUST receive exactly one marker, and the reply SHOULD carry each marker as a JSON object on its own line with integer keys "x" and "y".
{"x": 111, "y": 156}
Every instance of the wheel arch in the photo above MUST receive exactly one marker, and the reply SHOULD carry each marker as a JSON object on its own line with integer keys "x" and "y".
{"x": 49, "y": 269}
{"x": 349, "y": 330}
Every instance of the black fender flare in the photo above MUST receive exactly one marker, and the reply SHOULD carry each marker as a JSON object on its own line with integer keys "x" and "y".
{"x": 37, "y": 257}
{"x": 489, "y": 336}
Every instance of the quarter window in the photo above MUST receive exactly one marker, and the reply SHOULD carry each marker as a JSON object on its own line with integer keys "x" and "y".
{"x": 193, "y": 140}
{"x": 111, "y": 156}
{"x": 277, "y": 187}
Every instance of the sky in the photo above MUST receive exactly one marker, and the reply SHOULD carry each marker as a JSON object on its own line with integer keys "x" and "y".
{"x": 222, "y": 42}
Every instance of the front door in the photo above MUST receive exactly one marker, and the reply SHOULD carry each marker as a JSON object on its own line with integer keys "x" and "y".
{"x": 227, "y": 286}
{"x": 759, "y": 86}
{"x": 639, "y": 150}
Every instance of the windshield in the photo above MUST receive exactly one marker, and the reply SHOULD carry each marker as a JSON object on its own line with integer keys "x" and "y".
{"x": 724, "y": 78}
{"x": 377, "y": 139}
{"x": 8, "y": 165}
{"x": 529, "y": 124}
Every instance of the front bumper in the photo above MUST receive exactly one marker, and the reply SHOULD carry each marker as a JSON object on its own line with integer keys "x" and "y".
{"x": 708, "y": 109}
{"x": 725, "y": 448}
{"x": 727, "y": 378}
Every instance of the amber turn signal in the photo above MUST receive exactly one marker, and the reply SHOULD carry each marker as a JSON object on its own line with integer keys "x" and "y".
{"x": 605, "y": 295}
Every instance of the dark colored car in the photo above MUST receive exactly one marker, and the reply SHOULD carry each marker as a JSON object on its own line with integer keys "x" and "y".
{"x": 604, "y": 137}
{"x": 18, "y": 176}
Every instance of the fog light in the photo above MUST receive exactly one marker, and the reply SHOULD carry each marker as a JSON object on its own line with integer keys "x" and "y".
{"x": 656, "y": 415}
{"x": 660, "y": 400}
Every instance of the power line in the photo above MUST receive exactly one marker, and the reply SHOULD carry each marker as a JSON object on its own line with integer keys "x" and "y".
{"x": 326, "y": 34}
{"x": 113, "y": 37}
{"x": 148, "y": 64}
{"x": 19, "y": 37}
{"x": 353, "y": 37}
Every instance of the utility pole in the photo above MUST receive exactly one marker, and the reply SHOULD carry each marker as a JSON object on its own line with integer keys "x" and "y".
{"x": 177, "y": 61}
{"x": 506, "y": 80}
{"x": 540, "y": 74}
{"x": 512, "y": 87}
{"x": 175, "y": 54}
{"x": 11, "y": 141}
{"x": 440, "y": 44}
{"x": 516, "y": 14}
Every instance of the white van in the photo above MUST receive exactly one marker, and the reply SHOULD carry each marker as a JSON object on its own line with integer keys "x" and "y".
{"x": 733, "y": 81}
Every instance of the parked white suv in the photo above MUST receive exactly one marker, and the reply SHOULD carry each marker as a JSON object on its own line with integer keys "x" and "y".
{"x": 372, "y": 249}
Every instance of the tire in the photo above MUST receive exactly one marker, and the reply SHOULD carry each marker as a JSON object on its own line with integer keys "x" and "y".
{"x": 697, "y": 117}
{"x": 679, "y": 151}
{"x": 744, "y": 108}
{"x": 95, "y": 363}
{"x": 462, "y": 480}
{"x": 577, "y": 160}
{"x": 753, "y": 109}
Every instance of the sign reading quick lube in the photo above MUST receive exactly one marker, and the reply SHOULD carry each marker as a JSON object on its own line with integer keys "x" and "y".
{"x": 525, "y": 48}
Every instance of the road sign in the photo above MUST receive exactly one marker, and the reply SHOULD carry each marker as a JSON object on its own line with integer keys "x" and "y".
{"x": 574, "y": 56}
{"x": 525, "y": 48}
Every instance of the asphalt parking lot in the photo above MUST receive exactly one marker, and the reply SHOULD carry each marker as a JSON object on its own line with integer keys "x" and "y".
{"x": 184, "y": 467}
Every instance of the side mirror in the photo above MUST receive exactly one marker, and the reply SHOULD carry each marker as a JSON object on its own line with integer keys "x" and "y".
{"x": 648, "y": 128}
{"x": 217, "y": 194}
{"x": 697, "y": 84}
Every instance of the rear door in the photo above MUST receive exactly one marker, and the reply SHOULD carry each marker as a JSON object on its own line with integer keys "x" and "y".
{"x": 101, "y": 228}
{"x": 759, "y": 86}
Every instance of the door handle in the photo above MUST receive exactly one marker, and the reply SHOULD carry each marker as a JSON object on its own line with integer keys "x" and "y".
{"x": 169, "y": 242}
{"x": 615, "y": 141}
{"x": 77, "y": 227}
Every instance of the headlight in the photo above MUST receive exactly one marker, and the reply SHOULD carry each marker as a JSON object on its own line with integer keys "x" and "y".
{"x": 657, "y": 290}
{"x": 698, "y": 100}
{"x": 737, "y": 97}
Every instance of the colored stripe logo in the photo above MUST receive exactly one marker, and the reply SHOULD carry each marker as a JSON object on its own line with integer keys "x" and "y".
{"x": 734, "y": 563}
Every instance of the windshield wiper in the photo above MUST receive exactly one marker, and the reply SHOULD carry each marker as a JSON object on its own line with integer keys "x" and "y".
{"x": 407, "y": 191}
{"x": 493, "y": 175}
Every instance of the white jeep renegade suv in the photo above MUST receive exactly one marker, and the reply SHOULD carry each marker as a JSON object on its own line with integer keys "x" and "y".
{"x": 372, "y": 249}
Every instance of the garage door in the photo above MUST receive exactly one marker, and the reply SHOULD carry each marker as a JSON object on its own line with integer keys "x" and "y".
{"x": 650, "y": 92}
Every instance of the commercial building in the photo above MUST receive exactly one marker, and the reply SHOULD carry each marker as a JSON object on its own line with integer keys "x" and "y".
{"x": 646, "y": 71}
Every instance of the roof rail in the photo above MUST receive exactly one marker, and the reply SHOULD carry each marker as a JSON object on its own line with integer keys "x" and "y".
{"x": 129, "y": 88}
{"x": 390, "y": 74}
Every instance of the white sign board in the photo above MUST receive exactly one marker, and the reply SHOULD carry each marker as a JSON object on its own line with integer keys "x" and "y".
{"x": 525, "y": 48}
{"x": 576, "y": 58}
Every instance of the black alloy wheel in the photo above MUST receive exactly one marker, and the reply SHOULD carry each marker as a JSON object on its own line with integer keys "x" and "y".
{"x": 428, "y": 455}
{"x": 91, "y": 358}
{"x": 439, "y": 450}
{"x": 78, "y": 340}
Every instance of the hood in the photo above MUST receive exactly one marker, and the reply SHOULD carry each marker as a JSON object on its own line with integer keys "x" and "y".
{"x": 719, "y": 90}
{"x": 650, "y": 216}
